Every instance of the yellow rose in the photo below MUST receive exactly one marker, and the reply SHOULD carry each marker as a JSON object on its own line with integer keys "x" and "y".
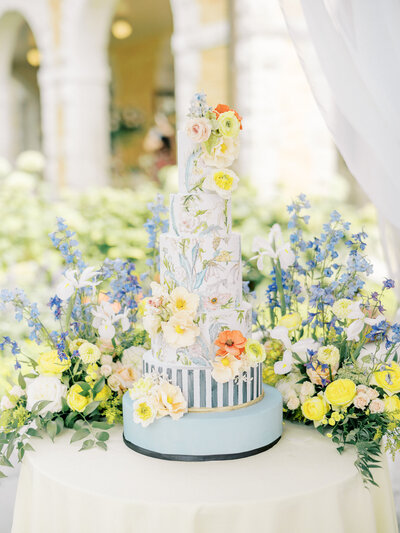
{"x": 315, "y": 408}
{"x": 75, "y": 400}
{"x": 329, "y": 355}
{"x": 340, "y": 393}
{"x": 228, "y": 124}
{"x": 290, "y": 321}
{"x": 104, "y": 394}
{"x": 50, "y": 364}
{"x": 389, "y": 379}
{"x": 392, "y": 406}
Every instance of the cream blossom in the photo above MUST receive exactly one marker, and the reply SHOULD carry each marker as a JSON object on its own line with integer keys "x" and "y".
{"x": 106, "y": 370}
{"x": 89, "y": 353}
{"x": 142, "y": 387}
{"x": 273, "y": 247}
{"x": 361, "y": 401}
{"x": 152, "y": 324}
{"x": 300, "y": 348}
{"x": 369, "y": 391}
{"x": 223, "y": 154}
{"x": 122, "y": 377}
{"x": 144, "y": 411}
{"x": 293, "y": 403}
{"x": 215, "y": 301}
{"x": 222, "y": 181}
{"x": 183, "y": 300}
{"x": 328, "y": 355}
{"x": 73, "y": 281}
{"x": 225, "y": 368}
{"x": 307, "y": 390}
{"x": 347, "y": 309}
{"x": 48, "y": 388}
{"x": 106, "y": 359}
{"x": 133, "y": 356}
{"x": 105, "y": 317}
{"x": 180, "y": 330}
{"x": 16, "y": 391}
{"x": 377, "y": 406}
{"x": 169, "y": 400}
{"x": 198, "y": 129}
{"x": 158, "y": 290}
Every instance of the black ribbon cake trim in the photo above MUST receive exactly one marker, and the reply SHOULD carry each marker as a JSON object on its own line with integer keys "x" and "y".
{"x": 198, "y": 458}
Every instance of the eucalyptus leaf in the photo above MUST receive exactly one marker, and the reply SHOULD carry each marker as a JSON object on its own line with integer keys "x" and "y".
{"x": 4, "y": 461}
{"x": 80, "y": 434}
{"x": 102, "y": 436}
{"x": 87, "y": 444}
{"x": 98, "y": 386}
{"x": 90, "y": 408}
{"x": 32, "y": 432}
{"x": 21, "y": 381}
{"x": 101, "y": 445}
{"x": 51, "y": 428}
{"x": 101, "y": 425}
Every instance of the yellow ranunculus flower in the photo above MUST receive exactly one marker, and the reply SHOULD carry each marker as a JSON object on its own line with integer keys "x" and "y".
{"x": 50, "y": 364}
{"x": 228, "y": 124}
{"x": 328, "y": 355}
{"x": 340, "y": 393}
{"x": 389, "y": 379}
{"x": 290, "y": 321}
{"x": 392, "y": 406}
{"x": 315, "y": 408}
{"x": 104, "y": 394}
{"x": 255, "y": 351}
{"x": 75, "y": 400}
{"x": 89, "y": 353}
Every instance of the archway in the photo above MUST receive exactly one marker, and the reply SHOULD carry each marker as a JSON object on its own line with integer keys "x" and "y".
{"x": 142, "y": 90}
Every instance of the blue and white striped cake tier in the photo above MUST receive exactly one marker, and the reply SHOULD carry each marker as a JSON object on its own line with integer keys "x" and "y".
{"x": 202, "y": 391}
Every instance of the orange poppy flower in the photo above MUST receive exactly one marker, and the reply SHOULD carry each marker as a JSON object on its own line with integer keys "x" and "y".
{"x": 223, "y": 108}
{"x": 230, "y": 342}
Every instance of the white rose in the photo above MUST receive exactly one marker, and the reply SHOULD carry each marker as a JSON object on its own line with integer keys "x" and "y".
{"x": 377, "y": 406}
{"x": 17, "y": 391}
{"x": 47, "y": 388}
{"x": 293, "y": 403}
{"x": 6, "y": 403}
{"x": 106, "y": 370}
{"x": 106, "y": 359}
{"x": 307, "y": 389}
{"x": 133, "y": 356}
{"x": 198, "y": 129}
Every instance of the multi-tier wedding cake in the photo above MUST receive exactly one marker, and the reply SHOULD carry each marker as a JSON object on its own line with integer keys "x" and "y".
{"x": 203, "y": 361}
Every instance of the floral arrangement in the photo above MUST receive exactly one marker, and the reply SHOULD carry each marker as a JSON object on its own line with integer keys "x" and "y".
{"x": 173, "y": 314}
{"x": 74, "y": 375}
{"x": 155, "y": 397}
{"x": 235, "y": 355}
{"x": 215, "y": 133}
{"x": 330, "y": 350}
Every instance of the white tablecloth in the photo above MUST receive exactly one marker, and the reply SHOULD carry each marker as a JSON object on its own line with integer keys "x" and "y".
{"x": 300, "y": 485}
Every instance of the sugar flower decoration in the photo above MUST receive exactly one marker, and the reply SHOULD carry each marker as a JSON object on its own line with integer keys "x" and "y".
{"x": 230, "y": 343}
{"x": 144, "y": 411}
{"x": 169, "y": 400}
{"x": 183, "y": 300}
{"x": 180, "y": 330}
{"x": 225, "y": 368}
{"x": 223, "y": 182}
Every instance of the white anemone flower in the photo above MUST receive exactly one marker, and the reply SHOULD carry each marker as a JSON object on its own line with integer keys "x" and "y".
{"x": 71, "y": 282}
{"x": 273, "y": 247}
{"x": 300, "y": 348}
{"x": 105, "y": 317}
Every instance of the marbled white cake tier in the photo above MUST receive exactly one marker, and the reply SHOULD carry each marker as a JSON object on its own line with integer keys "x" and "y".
{"x": 211, "y": 322}
{"x": 200, "y": 213}
{"x": 210, "y": 266}
{"x": 201, "y": 390}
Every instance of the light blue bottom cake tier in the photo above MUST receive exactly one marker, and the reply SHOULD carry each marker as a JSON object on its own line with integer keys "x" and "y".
{"x": 208, "y": 436}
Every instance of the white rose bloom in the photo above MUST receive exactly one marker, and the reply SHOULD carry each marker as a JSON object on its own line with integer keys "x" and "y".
{"x": 106, "y": 359}
{"x": 133, "y": 356}
{"x": 106, "y": 370}
{"x": 377, "y": 406}
{"x": 293, "y": 403}
{"x": 307, "y": 389}
{"x": 6, "y": 403}
{"x": 47, "y": 388}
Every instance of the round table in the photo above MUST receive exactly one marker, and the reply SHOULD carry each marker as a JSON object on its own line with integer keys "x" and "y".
{"x": 301, "y": 485}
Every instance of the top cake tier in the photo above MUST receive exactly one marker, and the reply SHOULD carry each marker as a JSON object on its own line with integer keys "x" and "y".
{"x": 207, "y": 147}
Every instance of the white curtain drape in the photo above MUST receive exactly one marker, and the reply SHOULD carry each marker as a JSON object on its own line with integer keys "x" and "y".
{"x": 350, "y": 51}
